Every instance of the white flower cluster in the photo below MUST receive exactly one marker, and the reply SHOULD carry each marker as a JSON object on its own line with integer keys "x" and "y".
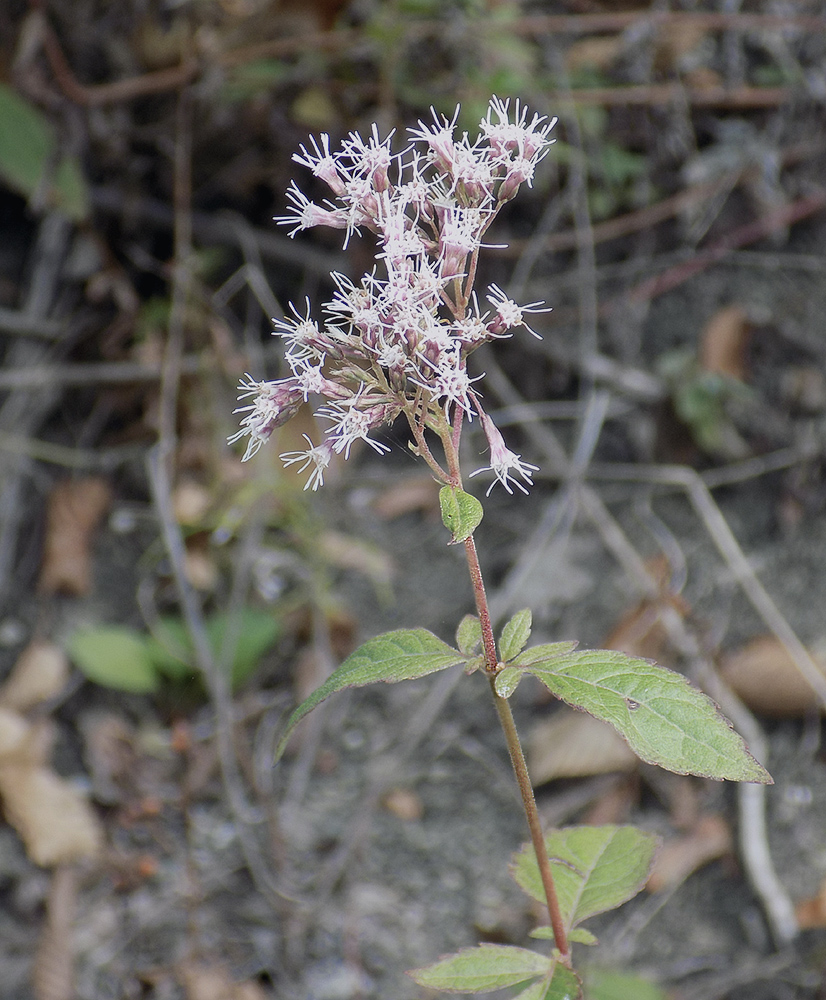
{"x": 399, "y": 341}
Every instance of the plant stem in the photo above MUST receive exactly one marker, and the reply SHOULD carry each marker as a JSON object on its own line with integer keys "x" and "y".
{"x": 515, "y": 750}
{"x": 529, "y": 802}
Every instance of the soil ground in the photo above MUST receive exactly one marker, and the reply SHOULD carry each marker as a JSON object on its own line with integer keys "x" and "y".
{"x": 382, "y": 840}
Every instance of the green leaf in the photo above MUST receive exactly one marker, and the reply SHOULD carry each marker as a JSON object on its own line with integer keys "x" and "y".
{"x": 605, "y": 984}
{"x": 539, "y": 654}
{"x": 469, "y": 635}
{"x": 578, "y": 935}
{"x": 564, "y": 985}
{"x": 663, "y": 718}
{"x": 485, "y": 967}
{"x": 461, "y": 512}
{"x": 114, "y": 657}
{"x": 595, "y": 868}
{"x": 28, "y": 149}
{"x": 254, "y": 632}
{"x": 515, "y": 634}
{"x": 507, "y": 680}
{"x": 395, "y": 656}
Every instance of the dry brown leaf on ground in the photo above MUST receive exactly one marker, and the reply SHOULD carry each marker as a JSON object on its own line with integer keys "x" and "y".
{"x": 41, "y": 672}
{"x": 54, "y": 820}
{"x": 710, "y": 839}
{"x": 575, "y": 745}
{"x": 213, "y": 982}
{"x": 191, "y": 503}
{"x": 641, "y": 631}
{"x": 763, "y": 674}
{"x": 110, "y": 755}
{"x": 614, "y": 804}
{"x": 404, "y": 804}
{"x": 15, "y": 733}
{"x": 596, "y": 52}
{"x": 75, "y": 509}
{"x": 413, "y": 494}
{"x": 52, "y": 975}
{"x": 349, "y": 552}
{"x": 812, "y": 912}
{"x": 723, "y": 343}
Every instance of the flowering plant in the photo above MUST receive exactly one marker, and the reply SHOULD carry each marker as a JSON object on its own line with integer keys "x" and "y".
{"x": 397, "y": 344}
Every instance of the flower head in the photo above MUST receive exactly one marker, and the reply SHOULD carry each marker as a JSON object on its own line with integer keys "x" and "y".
{"x": 398, "y": 340}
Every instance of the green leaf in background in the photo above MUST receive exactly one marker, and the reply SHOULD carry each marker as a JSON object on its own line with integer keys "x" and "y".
{"x": 114, "y": 657}
{"x": 252, "y": 78}
{"x": 28, "y": 149}
{"x": 564, "y": 985}
{"x": 395, "y": 656}
{"x": 515, "y": 634}
{"x": 483, "y": 968}
{"x": 253, "y": 631}
{"x": 461, "y": 512}
{"x": 469, "y": 635}
{"x": 595, "y": 868}
{"x": 663, "y": 718}
{"x": 605, "y": 984}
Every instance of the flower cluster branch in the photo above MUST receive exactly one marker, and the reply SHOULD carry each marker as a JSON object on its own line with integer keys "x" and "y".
{"x": 398, "y": 341}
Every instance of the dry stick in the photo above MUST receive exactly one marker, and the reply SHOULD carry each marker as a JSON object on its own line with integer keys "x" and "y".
{"x": 741, "y": 236}
{"x": 751, "y": 796}
{"x": 667, "y": 208}
{"x": 108, "y": 93}
{"x": 160, "y": 463}
{"x": 729, "y": 548}
{"x": 179, "y": 76}
{"x": 538, "y": 26}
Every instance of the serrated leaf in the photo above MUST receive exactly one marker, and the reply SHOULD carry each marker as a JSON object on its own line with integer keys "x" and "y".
{"x": 564, "y": 985}
{"x": 469, "y": 635}
{"x": 394, "y": 656}
{"x": 515, "y": 634}
{"x": 461, "y": 512}
{"x": 542, "y": 653}
{"x": 114, "y": 657}
{"x": 665, "y": 720}
{"x": 595, "y": 868}
{"x": 606, "y": 984}
{"x": 483, "y": 968}
{"x": 507, "y": 681}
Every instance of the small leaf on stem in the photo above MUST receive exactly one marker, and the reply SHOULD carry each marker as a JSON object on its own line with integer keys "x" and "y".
{"x": 515, "y": 634}
{"x": 483, "y": 968}
{"x": 507, "y": 680}
{"x": 595, "y": 868}
{"x": 469, "y": 635}
{"x": 461, "y": 512}
{"x": 402, "y": 655}
{"x": 665, "y": 720}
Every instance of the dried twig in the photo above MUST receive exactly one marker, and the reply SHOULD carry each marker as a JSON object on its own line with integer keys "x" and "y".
{"x": 739, "y": 237}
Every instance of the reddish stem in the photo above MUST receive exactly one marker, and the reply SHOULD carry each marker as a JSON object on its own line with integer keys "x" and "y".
{"x": 515, "y": 750}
